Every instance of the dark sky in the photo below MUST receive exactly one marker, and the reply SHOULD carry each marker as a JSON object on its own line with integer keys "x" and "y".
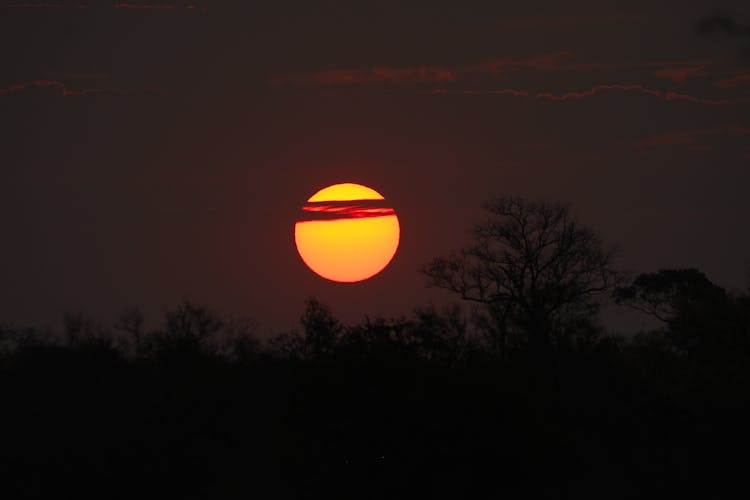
{"x": 152, "y": 151}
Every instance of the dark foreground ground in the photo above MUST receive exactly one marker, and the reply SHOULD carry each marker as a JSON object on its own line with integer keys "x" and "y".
{"x": 372, "y": 412}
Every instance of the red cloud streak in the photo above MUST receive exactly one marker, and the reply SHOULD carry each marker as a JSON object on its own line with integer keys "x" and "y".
{"x": 562, "y": 61}
{"x": 63, "y": 88}
{"x": 734, "y": 81}
{"x": 574, "y": 96}
{"x": 680, "y": 75}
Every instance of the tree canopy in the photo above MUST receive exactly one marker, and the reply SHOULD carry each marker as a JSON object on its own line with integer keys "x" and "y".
{"x": 534, "y": 268}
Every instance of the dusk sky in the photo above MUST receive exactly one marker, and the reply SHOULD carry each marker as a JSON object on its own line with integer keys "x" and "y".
{"x": 152, "y": 152}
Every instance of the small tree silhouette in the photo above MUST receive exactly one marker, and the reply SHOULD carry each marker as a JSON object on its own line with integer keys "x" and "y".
{"x": 83, "y": 332}
{"x": 190, "y": 330}
{"x": 239, "y": 341}
{"x": 131, "y": 322}
{"x": 533, "y": 267}
{"x": 440, "y": 336}
{"x": 664, "y": 293}
{"x": 321, "y": 333}
{"x": 697, "y": 313}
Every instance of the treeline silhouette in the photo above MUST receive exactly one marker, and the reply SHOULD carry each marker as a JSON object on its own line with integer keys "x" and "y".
{"x": 524, "y": 395}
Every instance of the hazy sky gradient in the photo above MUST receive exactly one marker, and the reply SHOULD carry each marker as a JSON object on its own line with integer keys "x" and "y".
{"x": 155, "y": 154}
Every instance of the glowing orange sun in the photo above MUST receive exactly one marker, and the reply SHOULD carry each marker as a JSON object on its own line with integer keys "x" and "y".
{"x": 347, "y": 233}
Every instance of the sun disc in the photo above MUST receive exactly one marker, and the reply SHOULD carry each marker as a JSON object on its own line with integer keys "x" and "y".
{"x": 347, "y": 233}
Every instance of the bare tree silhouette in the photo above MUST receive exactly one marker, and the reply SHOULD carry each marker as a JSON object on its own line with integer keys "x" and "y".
{"x": 534, "y": 267}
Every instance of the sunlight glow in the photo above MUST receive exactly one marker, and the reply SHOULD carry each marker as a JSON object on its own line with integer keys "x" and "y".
{"x": 350, "y": 245}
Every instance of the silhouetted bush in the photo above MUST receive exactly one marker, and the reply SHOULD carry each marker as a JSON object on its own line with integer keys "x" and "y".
{"x": 422, "y": 406}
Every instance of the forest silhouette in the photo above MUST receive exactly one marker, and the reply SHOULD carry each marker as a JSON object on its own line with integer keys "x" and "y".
{"x": 518, "y": 389}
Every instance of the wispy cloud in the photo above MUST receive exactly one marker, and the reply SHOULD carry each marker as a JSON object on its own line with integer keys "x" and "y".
{"x": 566, "y": 62}
{"x": 65, "y": 90}
{"x": 488, "y": 71}
{"x": 694, "y": 139}
{"x": 680, "y": 75}
{"x": 482, "y": 78}
{"x": 734, "y": 81}
{"x": 665, "y": 95}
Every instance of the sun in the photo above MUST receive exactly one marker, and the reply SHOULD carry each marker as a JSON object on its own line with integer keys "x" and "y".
{"x": 347, "y": 233}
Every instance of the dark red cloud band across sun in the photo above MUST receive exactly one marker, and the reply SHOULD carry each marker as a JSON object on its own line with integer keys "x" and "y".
{"x": 328, "y": 210}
